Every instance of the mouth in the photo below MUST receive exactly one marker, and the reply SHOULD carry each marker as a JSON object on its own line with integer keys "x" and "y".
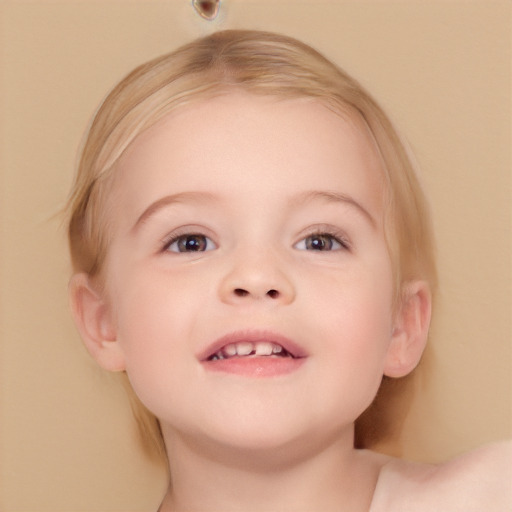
{"x": 250, "y": 349}
{"x": 253, "y": 353}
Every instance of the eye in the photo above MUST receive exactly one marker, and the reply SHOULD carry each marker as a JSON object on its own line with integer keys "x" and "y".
{"x": 190, "y": 242}
{"x": 321, "y": 242}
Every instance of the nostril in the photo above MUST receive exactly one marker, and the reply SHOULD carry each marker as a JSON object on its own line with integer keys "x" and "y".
{"x": 240, "y": 292}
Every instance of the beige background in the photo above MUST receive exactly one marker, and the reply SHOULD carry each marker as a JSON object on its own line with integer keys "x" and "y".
{"x": 442, "y": 68}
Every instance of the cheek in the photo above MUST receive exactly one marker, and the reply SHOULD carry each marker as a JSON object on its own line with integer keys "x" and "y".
{"x": 359, "y": 332}
{"x": 355, "y": 317}
{"x": 149, "y": 337}
{"x": 157, "y": 316}
{"x": 145, "y": 313}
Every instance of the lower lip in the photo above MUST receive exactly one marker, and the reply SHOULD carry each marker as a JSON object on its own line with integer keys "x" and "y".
{"x": 265, "y": 366}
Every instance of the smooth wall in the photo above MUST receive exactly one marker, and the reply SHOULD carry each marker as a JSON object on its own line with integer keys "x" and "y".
{"x": 443, "y": 70}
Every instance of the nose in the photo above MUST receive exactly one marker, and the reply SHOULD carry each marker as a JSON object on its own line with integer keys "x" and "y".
{"x": 257, "y": 278}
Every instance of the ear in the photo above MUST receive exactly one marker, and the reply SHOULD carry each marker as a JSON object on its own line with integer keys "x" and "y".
{"x": 410, "y": 330}
{"x": 95, "y": 324}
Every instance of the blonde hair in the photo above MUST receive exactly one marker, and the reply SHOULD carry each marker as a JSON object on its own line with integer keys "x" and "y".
{"x": 259, "y": 63}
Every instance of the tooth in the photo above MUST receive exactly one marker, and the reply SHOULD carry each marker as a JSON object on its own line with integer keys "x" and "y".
{"x": 244, "y": 348}
{"x": 277, "y": 349}
{"x": 263, "y": 348}
{"x": 220, "y": 355}
{"x": 230, "y": 350}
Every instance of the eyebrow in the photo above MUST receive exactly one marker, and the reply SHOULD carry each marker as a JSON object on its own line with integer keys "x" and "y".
{"x": 163, "y": 202}
{"x": 330, "y": 196}
{"x": 201, "y": 197}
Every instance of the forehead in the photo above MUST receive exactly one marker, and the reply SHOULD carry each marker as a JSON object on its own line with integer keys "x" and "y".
{"x": 240, "y": 141}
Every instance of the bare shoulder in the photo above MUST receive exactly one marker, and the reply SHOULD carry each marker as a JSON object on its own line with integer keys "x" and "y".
{"x": 476, "y": 481}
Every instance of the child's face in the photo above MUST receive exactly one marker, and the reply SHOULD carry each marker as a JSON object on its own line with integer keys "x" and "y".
{"x": 246, "y": 219}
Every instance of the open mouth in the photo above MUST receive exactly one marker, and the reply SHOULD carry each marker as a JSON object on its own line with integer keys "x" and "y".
{"x": 250, "y": 349}
{"x": 253, "y": 353}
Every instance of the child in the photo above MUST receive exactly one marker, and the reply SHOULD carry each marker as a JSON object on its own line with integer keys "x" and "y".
{"x": 253, "y": 251}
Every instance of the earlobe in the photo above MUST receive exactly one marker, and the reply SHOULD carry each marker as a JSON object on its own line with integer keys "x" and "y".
{"x": 410, "y": 330}
{"x": 94, "y": 322}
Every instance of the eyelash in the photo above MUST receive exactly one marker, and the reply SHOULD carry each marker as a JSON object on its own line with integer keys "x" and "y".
{"x": 183, "y": 236}
{"x": 330, "y": 236}
{"x": 327, "y": 234}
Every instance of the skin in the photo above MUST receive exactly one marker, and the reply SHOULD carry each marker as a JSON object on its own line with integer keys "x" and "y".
{"x": 257, "y": 185}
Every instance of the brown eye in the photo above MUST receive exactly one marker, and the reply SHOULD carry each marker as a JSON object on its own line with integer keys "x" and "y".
{"x": 321, "y": 242}
{"x": 190, "y": 243}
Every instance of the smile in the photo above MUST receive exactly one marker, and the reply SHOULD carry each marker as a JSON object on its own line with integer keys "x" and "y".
{"x": 253, "y": 354}
{"x": 248, "y": 349}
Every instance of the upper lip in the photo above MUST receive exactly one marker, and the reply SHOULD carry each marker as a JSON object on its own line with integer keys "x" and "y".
{"x": 252, "y": 336}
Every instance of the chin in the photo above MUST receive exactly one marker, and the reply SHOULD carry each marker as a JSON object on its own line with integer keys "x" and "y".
{"x": 264, "y": 445}
{"x": 246, "y": 434}
{"x": 258, "y": 452}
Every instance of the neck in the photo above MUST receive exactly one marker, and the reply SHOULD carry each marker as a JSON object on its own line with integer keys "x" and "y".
{"x": 334, "y": 478}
